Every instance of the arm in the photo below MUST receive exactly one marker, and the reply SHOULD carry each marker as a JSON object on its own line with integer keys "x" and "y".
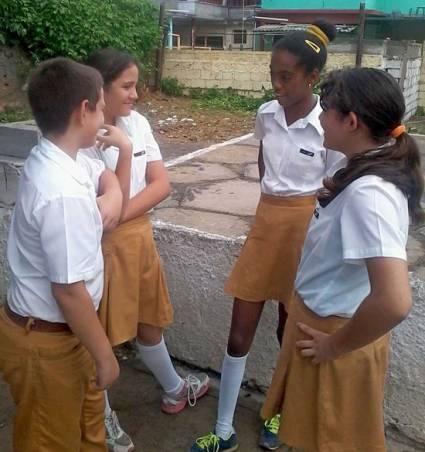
{"x": 110, "y": 199}
{"x": 261, "y": 167}
{"x": 79, "y": 312}
{"x": 157, "y": 189}
{"x": 387, "y": 305}
{"x": 116, "y": 137}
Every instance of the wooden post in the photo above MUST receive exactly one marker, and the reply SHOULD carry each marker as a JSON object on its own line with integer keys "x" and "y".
{"x": 160, "y": 50}
{"x": 360, "y": 34}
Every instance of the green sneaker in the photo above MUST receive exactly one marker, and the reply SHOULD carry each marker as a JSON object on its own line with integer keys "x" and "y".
{"x": 213, "y": 443}
{"x": 268, "y": 436}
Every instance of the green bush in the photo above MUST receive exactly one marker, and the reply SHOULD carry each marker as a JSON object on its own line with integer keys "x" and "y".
{"x": 74, "y": 28}
{"x": 229, "y": 99}
{"x": 171, "y": 86}
{"x": 13, "y": 114}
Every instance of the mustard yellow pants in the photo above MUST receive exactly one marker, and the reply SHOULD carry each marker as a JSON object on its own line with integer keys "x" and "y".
{"x": 49, "y": 378}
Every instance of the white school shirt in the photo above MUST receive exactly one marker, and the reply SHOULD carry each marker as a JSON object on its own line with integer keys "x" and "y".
{"x": 55, "y": 232}
{"x": 145, "y": 149}
{"x": 369, "y": 218}
{"x": 295, "y": 159}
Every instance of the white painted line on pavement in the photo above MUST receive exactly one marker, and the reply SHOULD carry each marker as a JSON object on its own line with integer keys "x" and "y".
{"x": 213, "y": 147}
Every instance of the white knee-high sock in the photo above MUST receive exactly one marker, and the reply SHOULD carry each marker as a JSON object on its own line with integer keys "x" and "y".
{"x": 108, "y": 408}
{"x": 157, "y": 359}
{"x": 231, "y": 379}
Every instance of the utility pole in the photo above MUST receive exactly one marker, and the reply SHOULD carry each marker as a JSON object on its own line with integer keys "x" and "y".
{"x": 243, "y": 24}
{"x": 160, "y": 50}
{"x": 360, "y": 34}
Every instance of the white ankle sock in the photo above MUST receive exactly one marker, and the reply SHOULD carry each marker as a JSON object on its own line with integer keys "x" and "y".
{"x": 108, "y": 409}
{"x": 231, "y": 379}
{"x": 157, "y": 359}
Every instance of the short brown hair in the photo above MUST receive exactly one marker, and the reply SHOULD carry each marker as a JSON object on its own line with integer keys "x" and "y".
{"x": 57, "y": 88}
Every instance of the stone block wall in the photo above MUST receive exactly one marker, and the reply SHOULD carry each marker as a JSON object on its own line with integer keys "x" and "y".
{"x": 421, "y": 98}
{"x": 248, "y": 72}
{"x": 403, "y": 61}
{"x": 245, "y": 71}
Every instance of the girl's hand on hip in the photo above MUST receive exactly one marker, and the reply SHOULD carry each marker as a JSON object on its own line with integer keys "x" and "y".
{"x": 319, "y": 347}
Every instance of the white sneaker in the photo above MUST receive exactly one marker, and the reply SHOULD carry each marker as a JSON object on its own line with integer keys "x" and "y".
{"x": 116, "y": 438}
{"x": 195, "y": 386}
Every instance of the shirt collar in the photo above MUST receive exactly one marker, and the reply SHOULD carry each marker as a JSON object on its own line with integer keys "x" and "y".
{"x": 62, "y": 159}
{"x": 312, "y": 118}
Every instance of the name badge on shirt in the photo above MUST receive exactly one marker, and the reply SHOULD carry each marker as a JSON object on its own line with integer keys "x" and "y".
{"x": 139, "y": 154}
{"x": 305, "y": 152}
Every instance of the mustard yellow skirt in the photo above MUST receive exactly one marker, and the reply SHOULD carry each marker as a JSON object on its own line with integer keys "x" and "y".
{"x": 135, "y": 289}
{"x": 267, "y": 265}
{"x": 332, "y": 407}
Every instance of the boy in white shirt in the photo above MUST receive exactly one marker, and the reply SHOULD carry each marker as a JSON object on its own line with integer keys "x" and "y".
{"x": 54, "y": 354}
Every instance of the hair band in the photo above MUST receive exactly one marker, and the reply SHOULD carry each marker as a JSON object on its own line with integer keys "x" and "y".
{"x": 319, "y": 33}
{"x": 314, "y": 46}
{"x": 397, "y": 131}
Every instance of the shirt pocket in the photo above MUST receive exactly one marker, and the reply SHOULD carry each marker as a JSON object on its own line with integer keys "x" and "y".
{"x": 308, "y": 161}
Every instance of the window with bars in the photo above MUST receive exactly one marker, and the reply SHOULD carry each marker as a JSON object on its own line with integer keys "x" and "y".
{"x": 239, "y": 36}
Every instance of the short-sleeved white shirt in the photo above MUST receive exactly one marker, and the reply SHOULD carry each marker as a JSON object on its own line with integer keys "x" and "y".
{"x": 56, "y": 230}
{"x": 295, "y": 160}
{"x": 368, "y": 219}
{"x": 145, "y": 149}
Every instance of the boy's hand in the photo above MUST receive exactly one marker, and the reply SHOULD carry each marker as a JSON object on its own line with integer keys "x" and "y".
{"x": 107, "y": 371}
{"x": 114, "y": 137}
{"x": 110, "y": 209}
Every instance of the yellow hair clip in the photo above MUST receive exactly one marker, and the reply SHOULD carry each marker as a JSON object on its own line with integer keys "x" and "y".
{"x": 314, "y": 46}
{"x": 319, "y": 33}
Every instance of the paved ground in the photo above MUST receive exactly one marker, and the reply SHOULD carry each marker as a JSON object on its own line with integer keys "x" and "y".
{"x": 215, "y": 192}
{"x": 136, "y": 398}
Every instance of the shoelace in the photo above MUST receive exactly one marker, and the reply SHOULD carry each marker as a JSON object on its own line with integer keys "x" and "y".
{"x": 112, "y": 426}
{"x": 273, "y": 424}
{"x": 192, "y": 388}
{"x": 209, "y": 440}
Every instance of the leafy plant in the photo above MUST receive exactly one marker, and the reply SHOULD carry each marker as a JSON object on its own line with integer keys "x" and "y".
{"x": 171, "y": 86}
{"x": 14, "y": 114}
{"x": 229, "y": 99}
{"x": 74, "y": 28}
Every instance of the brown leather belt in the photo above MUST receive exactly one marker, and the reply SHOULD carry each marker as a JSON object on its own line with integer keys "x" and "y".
{"x": 33, "y": 324}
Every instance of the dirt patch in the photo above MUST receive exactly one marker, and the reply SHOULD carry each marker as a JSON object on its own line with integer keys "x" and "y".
{"x": 182, "y": 120}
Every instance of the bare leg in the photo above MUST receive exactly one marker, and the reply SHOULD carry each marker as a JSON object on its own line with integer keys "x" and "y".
{"x": 245, "y": 318}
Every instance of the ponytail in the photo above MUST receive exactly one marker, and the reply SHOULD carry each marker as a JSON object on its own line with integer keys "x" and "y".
{"x": 399, "y": 163}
